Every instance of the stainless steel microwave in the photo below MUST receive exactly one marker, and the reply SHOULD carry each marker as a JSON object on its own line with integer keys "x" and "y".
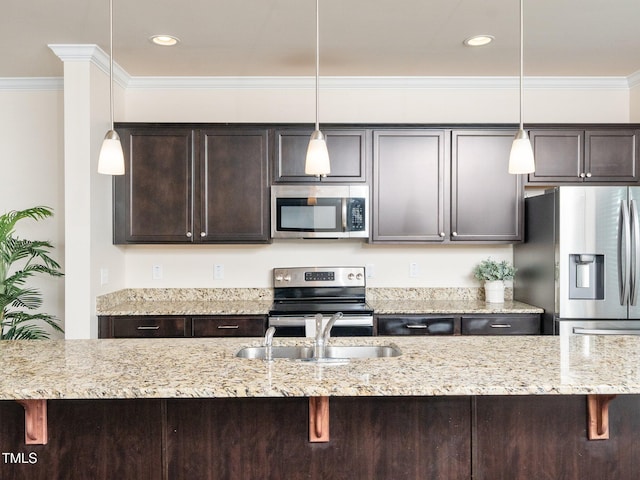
{"x": 320, "y": 211}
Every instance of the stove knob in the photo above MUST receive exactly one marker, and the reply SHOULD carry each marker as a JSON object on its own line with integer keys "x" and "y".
{"x": 287, "y": 278}
{"x": 279, "y": 277}
{"x": 359, "y": 276}
{"x": 351, "y": 276}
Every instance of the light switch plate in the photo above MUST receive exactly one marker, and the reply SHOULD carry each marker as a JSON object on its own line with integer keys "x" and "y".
{"x": 156, "y": 272}
{"x": 218, "y": 271}
{"x": 414, "y": 270}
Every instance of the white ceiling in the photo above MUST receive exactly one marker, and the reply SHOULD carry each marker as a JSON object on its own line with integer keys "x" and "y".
{"x": 358, "y": 37}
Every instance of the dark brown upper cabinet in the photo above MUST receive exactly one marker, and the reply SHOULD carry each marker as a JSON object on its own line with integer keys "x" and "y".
{"x": 410, "y": 186}
{"x": 439, "y": 186}
{"x": 486, "y": 200}
{"x": 580, "y": 156}
{"x": 348, "y": 153}
{"x": 186, "y": 185}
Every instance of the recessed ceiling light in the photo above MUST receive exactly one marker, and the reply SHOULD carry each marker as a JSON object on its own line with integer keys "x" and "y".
{"x": 164, "y": 40}
{"x": 478, "y": 40}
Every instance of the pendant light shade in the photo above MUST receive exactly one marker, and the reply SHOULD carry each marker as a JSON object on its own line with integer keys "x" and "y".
{"x": 317, "y": 162}
{"x": 521, "y": 157}
{"x": 111, "y": 158}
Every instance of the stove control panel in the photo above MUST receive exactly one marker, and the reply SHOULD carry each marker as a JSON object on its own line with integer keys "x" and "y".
{"x": 319, "y": 277}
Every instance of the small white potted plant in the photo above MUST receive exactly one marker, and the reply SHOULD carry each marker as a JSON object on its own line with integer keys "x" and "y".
{"x": 494, "y": 274}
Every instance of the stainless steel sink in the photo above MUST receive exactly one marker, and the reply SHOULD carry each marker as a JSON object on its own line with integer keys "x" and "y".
{"x": 361, "y": 351}
{"x": 300, "y": 352}
{"x": 294, "y": 352}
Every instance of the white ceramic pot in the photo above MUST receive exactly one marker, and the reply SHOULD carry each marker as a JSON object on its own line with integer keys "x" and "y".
{"x": 494, "y": 291}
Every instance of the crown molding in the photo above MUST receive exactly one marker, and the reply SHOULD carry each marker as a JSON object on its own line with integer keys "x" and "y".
{"x": 94, "y": 54}
{"x": 378, "y": 83}
{"x": 31, "y": 83}
{"x": 634, "y": 79}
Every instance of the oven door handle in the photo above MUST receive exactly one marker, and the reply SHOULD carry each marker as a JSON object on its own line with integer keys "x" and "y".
{"x": 299, "y": 321}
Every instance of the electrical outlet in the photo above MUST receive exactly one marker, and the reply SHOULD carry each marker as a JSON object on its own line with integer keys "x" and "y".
{"x": 369, "y": 269}
{"x": 218, "y": 271}
{"x": 414, "y": 270}
{"x": 104, "y": 276}
{"x": 156, "y": 272}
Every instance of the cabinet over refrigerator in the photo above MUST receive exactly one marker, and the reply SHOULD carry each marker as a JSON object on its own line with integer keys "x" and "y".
{"x": 580, "y": 259}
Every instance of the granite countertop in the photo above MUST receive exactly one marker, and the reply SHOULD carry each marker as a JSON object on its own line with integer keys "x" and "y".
{"x": 236, "y": 301}
{"x": 428, "y": 366}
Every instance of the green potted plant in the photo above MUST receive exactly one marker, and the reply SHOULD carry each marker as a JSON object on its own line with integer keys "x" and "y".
{"x": 20, "y": 260}
{"x": 494, "y": 274}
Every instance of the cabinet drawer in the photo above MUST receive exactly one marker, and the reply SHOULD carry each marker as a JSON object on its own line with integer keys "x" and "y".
{"x": 145, "y": 327}
{"x": 229, "y": 326}
{"x": 501, "y": 325}
{"x": 415, "y": 325}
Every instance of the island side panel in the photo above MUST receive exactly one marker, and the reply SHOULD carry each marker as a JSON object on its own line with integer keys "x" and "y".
{"x": 525, "y": 437}
{"x": 88, "y": 439}
{"x": 371, "y": 437}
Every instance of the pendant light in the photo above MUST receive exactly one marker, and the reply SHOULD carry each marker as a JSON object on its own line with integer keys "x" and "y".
{"x": 111, "y": 158}
{"x": 521, "y": 157}
{"x": 317, "y": 162}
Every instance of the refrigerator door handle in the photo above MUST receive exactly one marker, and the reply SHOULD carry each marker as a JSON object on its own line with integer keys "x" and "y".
{"x": 624, "y": 236}
{"x": 635, "y": 253}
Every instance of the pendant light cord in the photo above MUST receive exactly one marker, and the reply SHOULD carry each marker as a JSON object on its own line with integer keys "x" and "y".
{"x": 521, "y": 61}
{"x": 317, "y": 64}
{"x": 111, "y": 61}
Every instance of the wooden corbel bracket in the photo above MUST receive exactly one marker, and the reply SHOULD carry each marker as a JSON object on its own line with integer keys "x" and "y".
{"x": 598, "y": 416}
{"x": 35, "y": 421}
{"x": 318, "y": 419}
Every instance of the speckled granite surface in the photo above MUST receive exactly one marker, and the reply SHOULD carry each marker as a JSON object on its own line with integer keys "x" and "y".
{"x": 429, "y": 366}
{"x": 256, "y": 301}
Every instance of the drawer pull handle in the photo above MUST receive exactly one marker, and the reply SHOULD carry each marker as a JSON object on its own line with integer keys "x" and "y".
{"x": 150, "y": 327}
{"x": 500, "y": 325}
{"x": 417, "y": 326}
{"x": 228, "y": 327}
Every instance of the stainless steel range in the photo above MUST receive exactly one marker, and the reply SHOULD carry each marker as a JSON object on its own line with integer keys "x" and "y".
{"x": 300, "y": 293}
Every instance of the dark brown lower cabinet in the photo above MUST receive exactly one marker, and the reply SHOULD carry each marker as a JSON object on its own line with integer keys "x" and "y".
{"x": 480, "y": 438}
{"x": 99, "y": 439}
{"x": 544, "y": 438}
{"x": 371, "y": 438}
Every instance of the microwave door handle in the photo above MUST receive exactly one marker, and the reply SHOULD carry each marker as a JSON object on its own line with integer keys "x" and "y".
{"x": 344, "y": 214}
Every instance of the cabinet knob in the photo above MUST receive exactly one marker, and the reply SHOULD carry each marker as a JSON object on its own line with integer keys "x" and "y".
{"x": 442, "y": 234}
{"x": 188, "y": 234}
{"x": 203, "y": 234}
{"x": 454, "y": 234}
{"x": 589, "y": 175}
{"x": 582, "y": 175}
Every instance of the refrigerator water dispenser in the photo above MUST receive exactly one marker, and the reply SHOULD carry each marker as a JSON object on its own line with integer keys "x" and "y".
{"x": 586, "y": 276}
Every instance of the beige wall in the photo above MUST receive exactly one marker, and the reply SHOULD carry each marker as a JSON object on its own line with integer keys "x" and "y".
{"x": 31, "y": 155}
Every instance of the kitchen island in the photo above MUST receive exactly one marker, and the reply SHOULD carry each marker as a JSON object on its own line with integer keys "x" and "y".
{"x": 448, "y": 407}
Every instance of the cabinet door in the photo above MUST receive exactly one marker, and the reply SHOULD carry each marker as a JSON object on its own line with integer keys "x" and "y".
{"x": 410, "y": 191}
{"x": 234, "y": 189}
{"x": 486, "y": 201}
{"x": 611, "y": 156}
{"x": 558, "y": 155}
{"x": 229, "y": 326}
{"x": 347, "y": 154}
{"x": 153, "y": 199}
{"x": 500, "y": 324}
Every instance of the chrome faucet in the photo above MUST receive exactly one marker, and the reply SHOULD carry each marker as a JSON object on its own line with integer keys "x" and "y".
{"x": 268, "y": 342}
{"x": 323, "y": 334}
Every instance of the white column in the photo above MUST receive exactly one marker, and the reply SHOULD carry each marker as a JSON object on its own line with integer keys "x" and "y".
{"x": 88, "y": 247}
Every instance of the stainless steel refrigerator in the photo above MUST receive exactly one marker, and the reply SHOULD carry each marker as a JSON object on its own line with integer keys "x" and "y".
{"x": 580, "y": 259}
